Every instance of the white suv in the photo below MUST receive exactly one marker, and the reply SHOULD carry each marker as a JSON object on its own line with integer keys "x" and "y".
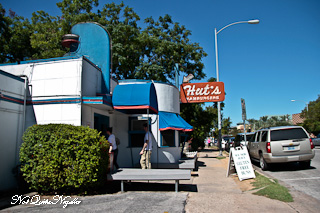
{"x": 281, "y": 145}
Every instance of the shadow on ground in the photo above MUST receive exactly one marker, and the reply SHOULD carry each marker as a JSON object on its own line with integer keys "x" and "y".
{"x": 158, "y": 187}
{"x": 282, "y": 167}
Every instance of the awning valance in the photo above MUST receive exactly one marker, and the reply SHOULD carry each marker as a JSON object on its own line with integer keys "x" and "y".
{"x": 173, "y": 121}
{"x": 135, "y": 98}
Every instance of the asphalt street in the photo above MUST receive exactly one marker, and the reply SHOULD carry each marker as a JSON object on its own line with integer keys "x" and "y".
{"x": 304, "y": 180}
{"x": 129, "y": 202}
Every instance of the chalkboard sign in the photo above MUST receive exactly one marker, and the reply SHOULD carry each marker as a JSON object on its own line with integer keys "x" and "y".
{"x": 239, "y": 158}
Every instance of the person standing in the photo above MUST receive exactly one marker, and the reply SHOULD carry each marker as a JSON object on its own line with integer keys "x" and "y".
{"x": 146, "y": 151}
{"x": 113, "y": 147}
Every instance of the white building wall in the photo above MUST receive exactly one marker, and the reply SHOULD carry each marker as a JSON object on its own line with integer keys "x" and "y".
{"x": 168, "y": 101}
{"x": 119, "y": 123}
{"x": 58, "y": 113}
{"x": 91, "y": 79}
{"x": 164, "y": 154}
{"x": 54, "y": 82}
{"x": 57, "y": 78}
{"x": 17, "y": 69}
{"x": 168, "y": 98}
{"x": 11, "y": 124}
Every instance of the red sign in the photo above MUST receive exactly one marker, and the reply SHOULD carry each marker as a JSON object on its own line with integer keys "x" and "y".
{"x": 202, "y": 92}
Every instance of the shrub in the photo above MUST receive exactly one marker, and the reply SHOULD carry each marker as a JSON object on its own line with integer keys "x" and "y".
{"x": 63, "y": 158}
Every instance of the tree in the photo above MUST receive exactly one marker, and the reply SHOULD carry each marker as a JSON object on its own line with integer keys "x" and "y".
{"x": 269, "y": 121}
{"x": 122, "y": 24}
{"x": 226, "y": 124}
{"x": 167, "y": 43}
{"x": 312, "y": 117}
{"x": 201, "y": 119}
{"x": 148, "y": 53}
{"x": 46, "y": 36}
{"x": 4, "y": 34}
{"x": 15, "y": 34}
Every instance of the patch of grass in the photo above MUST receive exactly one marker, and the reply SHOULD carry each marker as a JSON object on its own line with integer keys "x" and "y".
{"x": 221, "y": 157}
{"x": 260, "y": 181}
{"x": 271, "y": 189}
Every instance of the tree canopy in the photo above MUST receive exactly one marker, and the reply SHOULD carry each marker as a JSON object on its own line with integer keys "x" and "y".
{"x": 311, "y": 117}
{"x": 269, "y": 121}
{"x": 143, "y": 53}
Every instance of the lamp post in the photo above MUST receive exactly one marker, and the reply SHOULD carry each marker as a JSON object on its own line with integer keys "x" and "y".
{"x": 303, "y": 102}
{"x": 255, "y": 21}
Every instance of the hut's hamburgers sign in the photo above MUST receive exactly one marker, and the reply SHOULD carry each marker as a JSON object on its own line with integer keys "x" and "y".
{"x": 202, "y": 92}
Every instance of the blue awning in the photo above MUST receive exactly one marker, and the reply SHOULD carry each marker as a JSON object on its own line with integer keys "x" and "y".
{"x": 135, "y": 98}
{"x": 173, "y": 121}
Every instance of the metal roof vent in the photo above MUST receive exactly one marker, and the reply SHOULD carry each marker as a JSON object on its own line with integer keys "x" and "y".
{"x": 70, "y": 40}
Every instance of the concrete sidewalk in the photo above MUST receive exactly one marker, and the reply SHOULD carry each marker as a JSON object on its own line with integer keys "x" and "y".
{"x": 209, "y": 190}
{"x": 218, "y": 193}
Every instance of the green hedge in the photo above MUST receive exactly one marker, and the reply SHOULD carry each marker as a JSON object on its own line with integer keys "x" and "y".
{"x": 63, "y": 158}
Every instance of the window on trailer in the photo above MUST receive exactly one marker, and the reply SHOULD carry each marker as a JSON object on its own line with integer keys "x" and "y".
{"x": 136, "y": 132}
{"x": 168, "y": 138}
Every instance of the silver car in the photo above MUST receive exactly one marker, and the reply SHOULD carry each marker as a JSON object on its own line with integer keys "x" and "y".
{"x": 281, "y": 145}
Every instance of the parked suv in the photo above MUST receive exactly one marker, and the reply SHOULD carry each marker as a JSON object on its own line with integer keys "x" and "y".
{"x": 281, "y": 145}
{"x": 240, "y": 140}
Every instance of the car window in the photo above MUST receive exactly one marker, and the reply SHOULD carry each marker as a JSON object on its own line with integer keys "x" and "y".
{"x": 264, "y": 135}
{"x": 253, "y": 138}
{"x": 249, "y": 137}
{"x": 288, "y": 134}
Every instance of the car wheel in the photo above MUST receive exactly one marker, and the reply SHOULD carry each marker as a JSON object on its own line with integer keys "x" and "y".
{"x": 263, "y": 164}
{"x": 305, "y": 164}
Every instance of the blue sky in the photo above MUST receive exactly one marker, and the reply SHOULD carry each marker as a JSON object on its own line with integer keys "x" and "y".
{"x": 267, "y": 64}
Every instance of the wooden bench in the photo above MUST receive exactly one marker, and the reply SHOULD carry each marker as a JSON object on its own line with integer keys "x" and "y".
{"x": 188, "y": 163}
{"x": 125, "y": 174}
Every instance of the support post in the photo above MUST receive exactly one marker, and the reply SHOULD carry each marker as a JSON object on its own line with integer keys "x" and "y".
{"x": 122, "y": 186}
{"x": 177, "y": 185}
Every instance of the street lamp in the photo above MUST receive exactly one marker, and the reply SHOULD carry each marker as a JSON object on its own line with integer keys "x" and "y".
{"x": 303, "y": 102}
{"x": 255, "y": 21}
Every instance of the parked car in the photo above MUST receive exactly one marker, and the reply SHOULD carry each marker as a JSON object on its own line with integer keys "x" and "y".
{"x": 228, "y": 142}
{"x": 240, "y": 140}
{"x": 316, "y": 141}
{"x": 281, "y": 145}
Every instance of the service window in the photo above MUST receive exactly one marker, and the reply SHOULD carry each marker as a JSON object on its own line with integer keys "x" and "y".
{"x": 136, "y": 132}
{"x": 183, "y": 138}
{"x": 168, "y": 138}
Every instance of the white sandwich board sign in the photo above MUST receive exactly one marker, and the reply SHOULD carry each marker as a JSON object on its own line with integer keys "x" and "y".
{"x": 239, "y": 157}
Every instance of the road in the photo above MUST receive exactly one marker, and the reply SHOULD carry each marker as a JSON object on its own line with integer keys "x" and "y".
{"x": 305, "y": 180}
